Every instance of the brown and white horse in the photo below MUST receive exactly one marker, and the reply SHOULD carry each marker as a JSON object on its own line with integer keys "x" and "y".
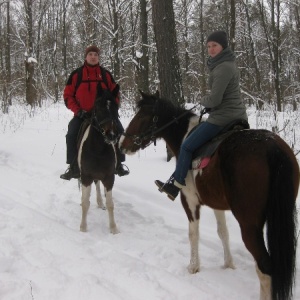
{"x": 253, "y": 173}
{"x": 97, "y": 158}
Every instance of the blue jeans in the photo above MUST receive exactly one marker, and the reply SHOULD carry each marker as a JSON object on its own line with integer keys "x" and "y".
{"x": 203, "y": 133}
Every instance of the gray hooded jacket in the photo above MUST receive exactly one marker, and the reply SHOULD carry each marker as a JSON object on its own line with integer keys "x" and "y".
{"x": 224, "y": 99}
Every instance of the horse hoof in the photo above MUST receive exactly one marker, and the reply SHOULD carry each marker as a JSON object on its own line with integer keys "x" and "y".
{"x": 229, "y": 266}
{"x": 83, "y": 229}
{"x": 193, "y": 269}
{"x": 114, "y": 230}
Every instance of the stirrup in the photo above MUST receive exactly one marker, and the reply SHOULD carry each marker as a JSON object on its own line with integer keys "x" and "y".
{"x": 120, "y": 171}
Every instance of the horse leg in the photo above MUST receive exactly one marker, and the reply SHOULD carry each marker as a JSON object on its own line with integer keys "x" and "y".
{"x": 110, "y": 208}
{"x": 224, "y": 236}
{"x": 265, "y": 285}
{"x": 254, "y": 242}
{"x": 190, "y": 203}
{"x": 85, "y": 205}
{"x": 99, "y": 197}
{"x": 194, "y": 265}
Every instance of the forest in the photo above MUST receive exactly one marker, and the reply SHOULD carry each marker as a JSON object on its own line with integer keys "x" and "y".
{"x": 43, "y": 41}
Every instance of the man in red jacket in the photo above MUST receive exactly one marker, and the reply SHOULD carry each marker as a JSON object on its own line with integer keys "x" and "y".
{"x": 79, "y": 96}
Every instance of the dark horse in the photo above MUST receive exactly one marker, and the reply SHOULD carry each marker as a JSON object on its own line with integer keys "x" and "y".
{"x": 253, "y": 173}
{"x": 96, "y": 156}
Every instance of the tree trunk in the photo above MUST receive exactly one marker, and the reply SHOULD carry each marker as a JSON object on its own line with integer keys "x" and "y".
{"x": 31, "y": 95}
{"x": 232, "y": 24}
{"x": 90, "y": 24}
{"x": 115, "y": 40}
{"x": 167, "y": 51}
{"x": 142, "y": 68}
{"x": 253, "y": 56}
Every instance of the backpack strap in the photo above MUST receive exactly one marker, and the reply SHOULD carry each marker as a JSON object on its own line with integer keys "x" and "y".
{"x": 79, "y": 72}
{"x": 103, "y": 73}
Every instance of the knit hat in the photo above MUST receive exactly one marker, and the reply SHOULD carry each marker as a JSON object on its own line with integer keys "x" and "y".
{"x": 220, "y": 37}
{"x": 92, "y": 48}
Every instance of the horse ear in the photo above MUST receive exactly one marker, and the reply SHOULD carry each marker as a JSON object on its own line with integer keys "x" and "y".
{"x": 144, "y": 95}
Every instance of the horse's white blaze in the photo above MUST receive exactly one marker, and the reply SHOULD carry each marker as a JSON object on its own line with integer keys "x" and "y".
{"x": 127, "y": 152}
{"x": 265, "y": 285}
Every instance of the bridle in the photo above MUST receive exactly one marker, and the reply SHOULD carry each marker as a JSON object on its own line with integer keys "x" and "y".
{"x": 150, "y": 134}
{"x": 98, "y": 125}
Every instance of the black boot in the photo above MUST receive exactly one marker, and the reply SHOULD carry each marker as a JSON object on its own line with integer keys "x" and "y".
{"x": 169, "y": 188}
{"x": 120, "y": 167}
{"x": 121, "y": 171}
{"x": 72, "y": 172}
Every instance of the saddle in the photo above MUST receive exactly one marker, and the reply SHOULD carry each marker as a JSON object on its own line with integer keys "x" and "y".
{"x": 201, "y": 156}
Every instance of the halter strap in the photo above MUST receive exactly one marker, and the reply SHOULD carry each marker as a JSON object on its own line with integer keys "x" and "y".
{"x": 153, "y": 130}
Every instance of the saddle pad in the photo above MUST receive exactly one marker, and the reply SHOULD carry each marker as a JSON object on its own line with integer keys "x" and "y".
{"x": 200, "y": 163}
{"x": 201, "y": 156}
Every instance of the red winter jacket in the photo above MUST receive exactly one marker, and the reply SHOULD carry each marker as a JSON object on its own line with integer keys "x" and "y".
{"x": 85, "y": 95}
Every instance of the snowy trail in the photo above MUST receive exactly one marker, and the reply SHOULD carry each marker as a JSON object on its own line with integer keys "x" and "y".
{"x": 43, "y": 255}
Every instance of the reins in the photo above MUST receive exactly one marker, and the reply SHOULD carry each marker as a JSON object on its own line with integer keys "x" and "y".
{"x": 97, "y": 125}
{"x": 153, "y": 130}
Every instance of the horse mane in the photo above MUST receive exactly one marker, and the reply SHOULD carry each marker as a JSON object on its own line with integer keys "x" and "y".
{"x": 106, "y": 95}
{"x": 163, "y": 107}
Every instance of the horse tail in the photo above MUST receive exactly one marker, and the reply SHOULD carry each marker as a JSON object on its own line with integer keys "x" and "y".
{"x": 282, "y": 222}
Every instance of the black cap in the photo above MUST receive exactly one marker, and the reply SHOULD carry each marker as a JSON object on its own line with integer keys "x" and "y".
{"x": 220, "y": 37}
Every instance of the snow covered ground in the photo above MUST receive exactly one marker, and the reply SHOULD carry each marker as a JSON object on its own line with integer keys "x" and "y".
{"x": 44, "y": 256}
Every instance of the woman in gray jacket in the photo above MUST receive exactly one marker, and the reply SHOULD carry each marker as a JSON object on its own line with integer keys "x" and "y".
{"x": 223, "y": 103}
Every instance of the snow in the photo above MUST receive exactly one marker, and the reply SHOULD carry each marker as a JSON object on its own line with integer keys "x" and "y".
{"x": 139, "y": 54}
{"x": 31, "y": 60}
{"x": 43, "y": 255}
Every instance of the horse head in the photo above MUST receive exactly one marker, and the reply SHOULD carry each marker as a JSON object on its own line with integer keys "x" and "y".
{"x": 141, "y": 129}
{"x": 105, "y": 114}
{"x": 155, "y": 118}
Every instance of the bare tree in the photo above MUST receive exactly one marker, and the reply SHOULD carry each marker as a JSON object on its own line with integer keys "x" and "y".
{"x": 142, "y": 57}
{"x": 114, "y": 6}
{"x": 31, "y": 94}
{"x": 90, "y": 30}
{"x": 232, "y": 24}
{"x": 253, "y": 58}
{"x": 167, "y": 51}
{"x": 6, "y": 67}
{"x": 273, "y": 41}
